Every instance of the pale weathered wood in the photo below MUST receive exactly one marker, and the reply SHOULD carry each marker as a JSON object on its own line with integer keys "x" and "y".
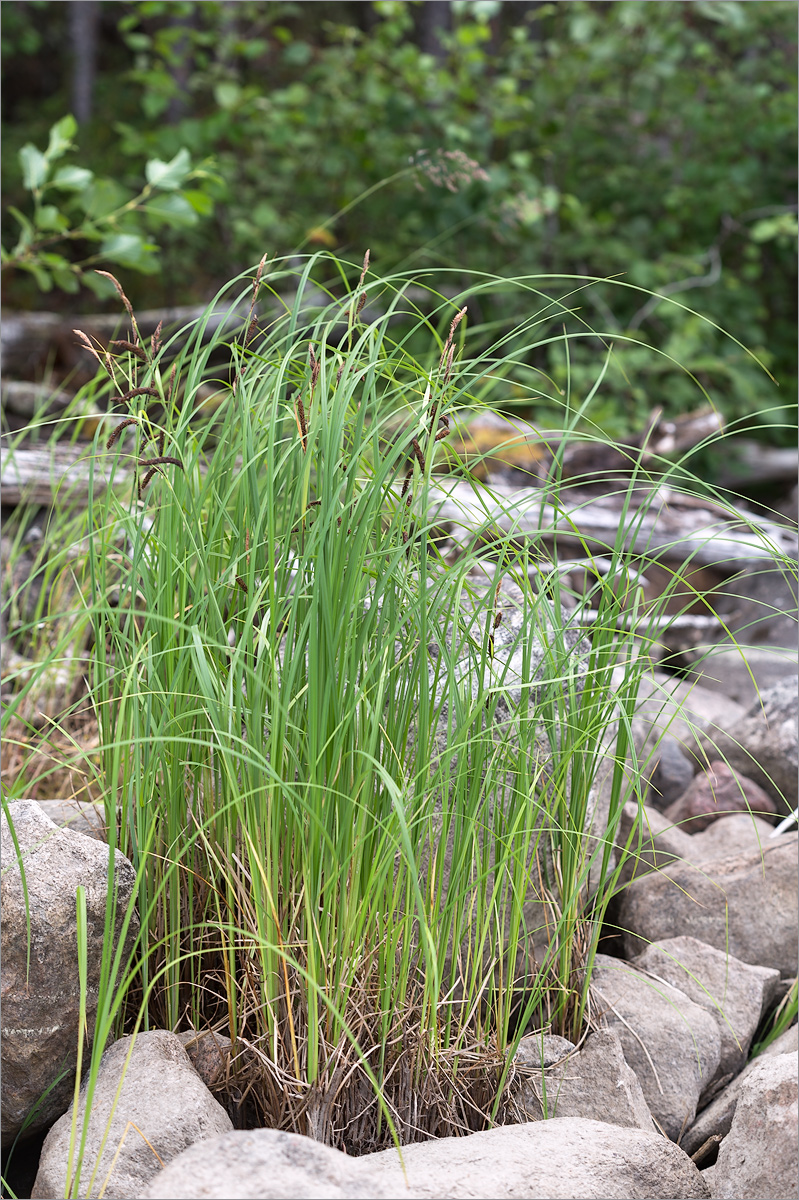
{"x": 40, "y": 400}
{"x": 27, "y": 338}
{"x": 665, "y": 526}
{"x": 749, "y": 462}
{"x": 56, "y": 474}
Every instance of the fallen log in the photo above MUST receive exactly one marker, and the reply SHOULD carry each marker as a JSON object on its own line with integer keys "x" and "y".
{"x": 28, "y": 399}
{"x": 45, "y": 475}
{"x": 749, "y": 462}
{"x": 27, "y": 406}
{"x": 661, "y": 524}
{"x": 26, "y": 339}
{"x": 488, "y": 440}
{"x": 29, "y": 339}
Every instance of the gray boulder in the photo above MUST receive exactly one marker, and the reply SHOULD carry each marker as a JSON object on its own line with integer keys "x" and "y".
{"x": 693, "y": 715}
{"x": 79, "y": 816}
{"x": 657, "y": 842}
{"x": 41, "y": 998}
{"x": 739, "y": 833}
{"x": 538, "y": 1050}
{"x": 733, "y": 992}
{"x": 743, "y": 672}
{"x": 163, "y": 1108}
{"x": 764, "y": 743}
{"x": 651, "y": 841}
{"x": 672, "y": 1044}
{"x": 745, "y": 905}
{"x": 716, "y": 1119}
{"x": 594, "y": 1082}
{"x": 542, "y": 1160}
{"x": 759, "y": 606}
{"x": 268, "y": 1165}
{"x": 670, "y": 775}
{"x": 758, "y": 1158}
{"x": 714, "y": 793}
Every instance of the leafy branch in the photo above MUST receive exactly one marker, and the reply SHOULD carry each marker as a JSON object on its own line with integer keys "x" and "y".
{"x": 72, "y": 205}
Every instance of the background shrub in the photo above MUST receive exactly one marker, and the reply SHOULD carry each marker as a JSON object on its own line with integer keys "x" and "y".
{"x": 651, "y": 142}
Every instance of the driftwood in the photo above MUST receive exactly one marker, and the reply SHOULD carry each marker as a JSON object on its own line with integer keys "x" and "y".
{"x": 29, "y": 339}
{"x": 663, "y": 526}
{"x": 660, "y": 438}
{"x": 28, "y": 399}
{"x": 490, "y": 442}
{"x": 749, "y": 462}
{"x": 26, "y": 340}
{"x": 44, "y": 475}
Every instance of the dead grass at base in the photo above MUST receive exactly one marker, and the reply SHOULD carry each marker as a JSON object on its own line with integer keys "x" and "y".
{"x": 428, "y": 1089}
{"x": 57, "y": 762}
{"x": 428, "y": 1092}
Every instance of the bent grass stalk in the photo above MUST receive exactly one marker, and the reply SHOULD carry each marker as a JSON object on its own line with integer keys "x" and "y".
{"x": 352, "y": 823}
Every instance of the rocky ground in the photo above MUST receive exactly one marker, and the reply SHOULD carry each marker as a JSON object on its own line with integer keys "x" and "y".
{"x": 662, "y": 1098}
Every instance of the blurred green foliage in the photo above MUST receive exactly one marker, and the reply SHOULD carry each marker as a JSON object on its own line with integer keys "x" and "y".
{"x": 72, "y": 206}
{"x": 655, "y": 143}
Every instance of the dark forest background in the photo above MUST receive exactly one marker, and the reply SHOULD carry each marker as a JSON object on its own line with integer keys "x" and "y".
{"x": 653, "y": 142}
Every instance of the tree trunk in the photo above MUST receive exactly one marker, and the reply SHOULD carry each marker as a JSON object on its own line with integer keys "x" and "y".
{"x": 365, "y": 15}
{"x": 181, "y": 70}
{"x": 435, "y": 18}
{"x": 84, "y": 17}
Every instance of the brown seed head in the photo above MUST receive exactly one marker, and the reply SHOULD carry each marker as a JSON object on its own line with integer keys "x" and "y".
{"x": 170, "y": 389}
{"x": 301, "y": 422}
{"x": 146, "y": 480}
{"x": 162, "y": 459}
{"x": 259, "y": 273}
{"x": 142, "y": 391}
{"x": 85, "y": 341}
{"x": 122, "y": 296}
{"x": 316, "y": 365}
{"x": 451, "y": 335}
{"x": 364, "y": 269}
{"x": 139, "y": 351}
{"x": 115, "y": 436}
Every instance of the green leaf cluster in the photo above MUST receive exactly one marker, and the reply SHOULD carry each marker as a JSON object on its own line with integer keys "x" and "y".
{"x": 71, "y": 206}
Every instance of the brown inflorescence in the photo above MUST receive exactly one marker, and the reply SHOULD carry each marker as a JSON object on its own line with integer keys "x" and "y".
{"x": 301, "y": 422}
{"x": 133, "y": 347}
{"x": 115, "y": 436}
{"x": 122, "y": 296}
